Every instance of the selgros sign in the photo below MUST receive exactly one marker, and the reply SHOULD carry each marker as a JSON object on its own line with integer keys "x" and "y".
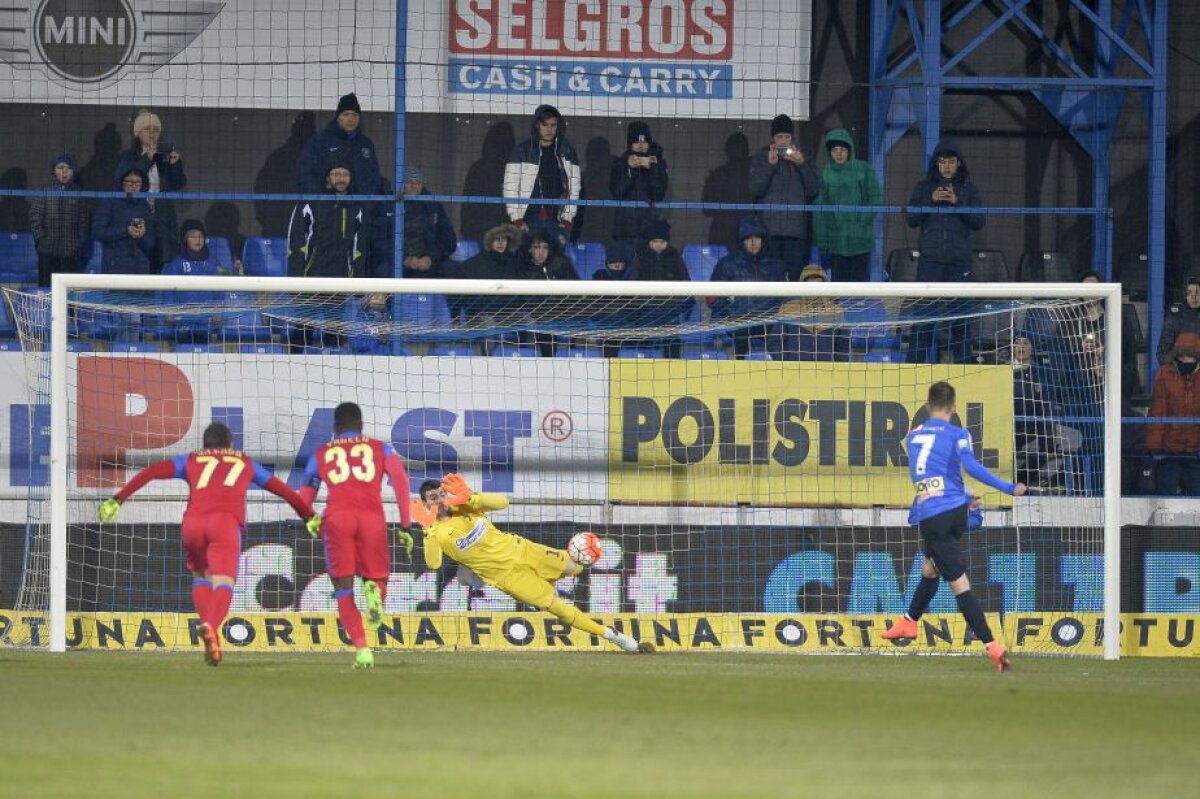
{"x": 683, "y": 58}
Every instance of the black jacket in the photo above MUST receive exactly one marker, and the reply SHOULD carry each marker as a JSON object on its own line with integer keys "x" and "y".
{"x": 945, "y": 237}
{"x": 643, "y": 184}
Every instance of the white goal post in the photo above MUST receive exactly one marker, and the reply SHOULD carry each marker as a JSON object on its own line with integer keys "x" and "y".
{"x": 66, "y": 297}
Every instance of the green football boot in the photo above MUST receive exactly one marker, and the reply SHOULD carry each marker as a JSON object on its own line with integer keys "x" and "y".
{"x": 364, "y": 658}
{"x": 373, "y": 618}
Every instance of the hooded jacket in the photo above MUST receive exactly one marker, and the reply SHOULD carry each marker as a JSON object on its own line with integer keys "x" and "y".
{"x": 945, "y": 237}
{"x": 852, "y": 183}
{"x": 123, "y": 254}
{"x": 1178, "y": 395}
{"x": 521, "y": 171}
{"x": 1180, "y": 318}
{"x": 61, "y": 224}
{"x": 784, "y": 183}
{"x": 428, "y": 232}
{"x": 354, "y": 149}
{"x": 330, "y": 238}
{"x": 643, "y": 184}
{"x": 491, "y": 265}
{"x": 741, "y": 267}
{"x": 171, "y": 177}
{"x": 556, "y": 267}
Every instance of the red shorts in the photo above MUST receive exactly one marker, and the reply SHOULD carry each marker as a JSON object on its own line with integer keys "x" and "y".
{"x": 212, "y": 542}
{"x": 356, "y": 543}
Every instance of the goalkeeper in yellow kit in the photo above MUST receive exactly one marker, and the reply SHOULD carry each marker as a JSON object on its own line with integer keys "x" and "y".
{"x": 456, "y": 526}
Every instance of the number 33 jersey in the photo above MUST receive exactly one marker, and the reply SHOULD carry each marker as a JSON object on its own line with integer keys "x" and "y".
{"x": 353, "y": 468}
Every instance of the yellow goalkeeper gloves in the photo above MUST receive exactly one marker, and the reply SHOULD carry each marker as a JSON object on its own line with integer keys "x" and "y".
{"x": 406, "y": 539}
{"x": 313, "y": 525}
{"x": 109, "y": 509}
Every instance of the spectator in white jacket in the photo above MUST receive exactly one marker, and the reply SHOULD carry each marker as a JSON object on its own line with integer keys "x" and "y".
{"x": 545, "y": 166}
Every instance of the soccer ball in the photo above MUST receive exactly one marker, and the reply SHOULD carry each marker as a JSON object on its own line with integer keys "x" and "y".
{"x": 584, "y": 548}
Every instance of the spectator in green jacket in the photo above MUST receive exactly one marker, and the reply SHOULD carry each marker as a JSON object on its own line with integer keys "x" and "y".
{"x": 846, "y": 238}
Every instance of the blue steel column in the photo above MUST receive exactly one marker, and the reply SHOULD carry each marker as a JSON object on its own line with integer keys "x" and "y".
{"x": 879, "y": 101}
{"x": 1157, "y": 223}
{"x": 931, "y": 76}
{"x": 400, "y": 114}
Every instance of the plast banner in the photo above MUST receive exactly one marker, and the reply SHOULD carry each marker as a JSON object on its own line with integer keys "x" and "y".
{"x": 511, "y": 427}
{"x": 683, "y": 58}
{"x": 788, "y": 433}
{"x": 689, "y": 58}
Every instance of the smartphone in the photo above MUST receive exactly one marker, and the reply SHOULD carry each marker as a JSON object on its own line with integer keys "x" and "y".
{"x": 165, "y": 147}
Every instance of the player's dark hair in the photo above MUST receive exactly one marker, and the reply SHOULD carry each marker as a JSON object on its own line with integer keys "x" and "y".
{"x": 218, "y": 436}
{"x": 347, "y": 417}
{"x": 428, "y": 485}
{"x": 941, "y": 396}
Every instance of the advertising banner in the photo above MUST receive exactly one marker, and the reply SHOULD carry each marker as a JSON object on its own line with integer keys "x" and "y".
{"x": 789, "y": 433}
{"x": 683, "y": 58}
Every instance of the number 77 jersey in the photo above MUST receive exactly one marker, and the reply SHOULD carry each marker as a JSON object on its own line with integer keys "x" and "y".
{"x": 353, "y": 468}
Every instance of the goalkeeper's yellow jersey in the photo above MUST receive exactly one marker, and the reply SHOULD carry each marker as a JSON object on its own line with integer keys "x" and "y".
{"x": 469, "y": 537}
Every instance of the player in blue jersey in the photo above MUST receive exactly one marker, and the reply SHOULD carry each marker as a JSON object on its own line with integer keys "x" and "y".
{"x": 938, "y": 451}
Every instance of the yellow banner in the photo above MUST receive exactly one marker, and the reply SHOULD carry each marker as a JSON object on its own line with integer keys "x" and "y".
{"x": 789, "y": 433}
{"x": 1143, "y": 634}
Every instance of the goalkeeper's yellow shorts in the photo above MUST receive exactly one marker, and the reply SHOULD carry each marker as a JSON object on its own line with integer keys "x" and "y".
{"x": 531, "y": 580}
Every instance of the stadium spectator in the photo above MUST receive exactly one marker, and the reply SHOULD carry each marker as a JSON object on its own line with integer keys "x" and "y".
{"x": 544, "y": 166}
{"x": 781, "y": 175}
{"x": 814, "y": 332}
{"x": 330, "y": 238}
{"x": 747, "y": 263}
{"x": 846, "y": 238}
{"x": 194, "y": 257}
{"x": 162, "y": 165}
{"x": 429, "y": 238}
{"x": 657, "y": 259}
{"x": 1176, "y": 446}
{"x": 945, "y": 241}
{"x": 542, "y": 258}
{"x": 125, "y": 226}
{"x": 618, "y": 263}
{"x": 342, "y": 137}
{"x": 639, "y": 174}
{"x": 1039, "y": 441}
{"x": 1180, "y": 318}
{"x": 61, "y": 224}
{"x": 498, "y": 258}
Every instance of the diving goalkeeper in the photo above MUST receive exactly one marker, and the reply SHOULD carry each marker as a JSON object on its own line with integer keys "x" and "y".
{"x": 523, "y": 569}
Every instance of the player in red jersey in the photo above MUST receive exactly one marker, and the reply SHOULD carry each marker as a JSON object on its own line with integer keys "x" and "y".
{"x": 354, "y": 526}
{"x": 217, "y": 478}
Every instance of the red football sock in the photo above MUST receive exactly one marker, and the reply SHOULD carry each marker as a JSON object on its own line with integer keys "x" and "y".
{"x": 218, "y": 606}
{"x": 351, "y": 618}
{"x": 202, "y": 592}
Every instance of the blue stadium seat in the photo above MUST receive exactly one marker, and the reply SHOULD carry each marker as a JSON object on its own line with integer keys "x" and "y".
{"x": 219, "y": 251}
{"x": 588, "y": 256}
{"x": 885, "y": 356}
{"x": 640, "y": 352}
{"x": 133, "y": 346}
{"x": 514, "y": 351}
{"x": 7, "y": 326}
{"x": 428, "y": 311}
{"x": 460, "y": 349}
{"x": 578, "y": 351}
{"x": 18, "y": 258}
{"x": 466, "y": 249}
{"x": 197, "y": 349}
{"x": 704, "y": 354}
{"x": 262, "y": 349}
{"x": 80, "y": 345}
{"x": 265, "y": 257}
{"x": 870, "y": 326}
{"x": 243, "y": 322}
{"x": 701, "y": 259}
{"x": 10, "y": 345}
{"x": 758, "y": 355}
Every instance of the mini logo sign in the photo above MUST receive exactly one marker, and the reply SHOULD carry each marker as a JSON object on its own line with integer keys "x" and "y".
{"x": 84, "y": 40}
{"x": 95, "y": 42}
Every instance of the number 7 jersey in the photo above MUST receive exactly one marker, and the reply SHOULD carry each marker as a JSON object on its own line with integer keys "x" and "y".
{"x": 353, "y": 468}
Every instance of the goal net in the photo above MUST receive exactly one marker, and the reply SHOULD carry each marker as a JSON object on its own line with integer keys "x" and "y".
{"x": 741, "y": 457}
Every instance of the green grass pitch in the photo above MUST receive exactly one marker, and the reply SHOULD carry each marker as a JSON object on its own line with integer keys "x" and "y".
{"x": 595, "y": 725}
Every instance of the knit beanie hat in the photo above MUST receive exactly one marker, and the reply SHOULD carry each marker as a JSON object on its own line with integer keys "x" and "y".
{"x": 349, "y": 102}
{"x": 658, "y": 229}
{"x": 190, "y": 225}
{"x": 64, "y": 158}
{"x": 782, "y": 124}
{"x": 638, "y": 131}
